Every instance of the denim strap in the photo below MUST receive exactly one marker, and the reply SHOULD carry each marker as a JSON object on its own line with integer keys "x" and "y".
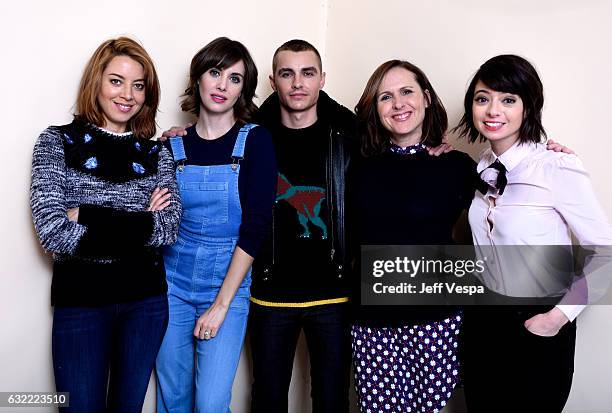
{"x": 178, "y": 150}
{"x": 238, "y": 152}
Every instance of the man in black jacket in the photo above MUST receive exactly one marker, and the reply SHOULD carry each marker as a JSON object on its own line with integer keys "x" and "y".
{"x": 299, "y": 281}
{"x": 299, "y": 276}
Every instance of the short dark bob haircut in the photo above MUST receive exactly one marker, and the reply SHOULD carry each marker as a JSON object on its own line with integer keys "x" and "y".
{"x": 374, "y": 137}
{"x": 222, "y": 53}
{"x": 508, "y": 74}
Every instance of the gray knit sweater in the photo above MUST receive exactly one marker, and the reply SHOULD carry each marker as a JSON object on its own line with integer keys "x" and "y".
{"x": 111, "y": 254}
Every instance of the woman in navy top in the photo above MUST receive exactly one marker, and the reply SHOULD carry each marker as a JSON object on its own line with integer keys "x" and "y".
{"x": 405, "y": 357}
{"x": 226, "y": 172}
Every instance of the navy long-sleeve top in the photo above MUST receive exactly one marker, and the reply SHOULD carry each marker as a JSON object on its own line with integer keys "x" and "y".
{"x": 407, "y": 200}
{"x": 256, "y": 182}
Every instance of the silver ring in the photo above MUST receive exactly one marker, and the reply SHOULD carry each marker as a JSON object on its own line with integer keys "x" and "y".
{"x": 206, "y": 333}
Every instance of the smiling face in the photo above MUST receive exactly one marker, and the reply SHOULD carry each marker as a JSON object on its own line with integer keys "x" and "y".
{"x": 122, "y": 92}
{"x": 497, "y": 116}
{"x": 298, "y": 80}
{"x": 220, "y": 88}
{"x": 401, "y": 105}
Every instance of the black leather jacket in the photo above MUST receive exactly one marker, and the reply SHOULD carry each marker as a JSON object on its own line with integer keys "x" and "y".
{"x": 341, "y": 125}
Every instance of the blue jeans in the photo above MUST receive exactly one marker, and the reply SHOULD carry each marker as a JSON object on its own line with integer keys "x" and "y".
{"x": 206, "y": 384}
{"x": 88, "y": 342}
{"x": 274, "y": 333}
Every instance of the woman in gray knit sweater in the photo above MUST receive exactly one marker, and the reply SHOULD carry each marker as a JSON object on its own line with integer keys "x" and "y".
{"x": 104, "y": 199}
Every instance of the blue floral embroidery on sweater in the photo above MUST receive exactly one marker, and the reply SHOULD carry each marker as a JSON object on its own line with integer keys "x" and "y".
{"x": 113, "y": 157}
{"x": 138, "y": 168}
{"x": 91, "y": 163}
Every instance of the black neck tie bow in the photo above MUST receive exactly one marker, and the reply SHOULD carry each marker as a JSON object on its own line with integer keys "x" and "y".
{"x": 493, "y": 176}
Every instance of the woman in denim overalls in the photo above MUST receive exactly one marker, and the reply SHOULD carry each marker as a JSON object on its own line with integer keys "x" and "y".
{"x": 226, "y": 172}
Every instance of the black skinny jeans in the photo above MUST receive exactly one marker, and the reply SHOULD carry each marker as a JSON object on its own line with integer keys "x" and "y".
{"x": 274, "y": 333}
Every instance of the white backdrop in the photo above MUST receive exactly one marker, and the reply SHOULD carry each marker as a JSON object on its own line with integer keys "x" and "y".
{"x": 45, "y": 46}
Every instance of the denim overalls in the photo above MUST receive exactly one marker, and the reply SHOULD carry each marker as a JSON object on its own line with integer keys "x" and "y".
{"x": 195, "y": 269}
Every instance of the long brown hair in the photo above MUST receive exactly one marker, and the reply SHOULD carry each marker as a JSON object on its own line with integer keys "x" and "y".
{"x": 221, "y": 53}
{"x": 373, "y": 135}
{"x": 87, "y": 108}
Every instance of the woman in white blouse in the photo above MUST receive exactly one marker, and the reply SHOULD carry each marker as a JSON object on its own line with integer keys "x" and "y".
{"x": 521, "y": 357}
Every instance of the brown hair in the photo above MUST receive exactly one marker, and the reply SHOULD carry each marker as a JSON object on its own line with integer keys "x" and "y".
{"x": 87, "y": 108}
{"x": 221, "y": 53}
{"x": 373, "y": 135}
{"x": 296, "y": 45}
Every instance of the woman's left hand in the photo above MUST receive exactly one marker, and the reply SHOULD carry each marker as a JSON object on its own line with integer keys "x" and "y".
{"x": 208, "y": 324}
{"x": 547, "y": 324}
{"x": 160, "y": 199}
{"x": 557, "y": 147}
{"x": 444, "y": 147}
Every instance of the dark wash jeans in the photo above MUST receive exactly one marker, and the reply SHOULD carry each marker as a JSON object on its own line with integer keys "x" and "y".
{"x": 88, "y": 342}
{"x": 274, "y": 332}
